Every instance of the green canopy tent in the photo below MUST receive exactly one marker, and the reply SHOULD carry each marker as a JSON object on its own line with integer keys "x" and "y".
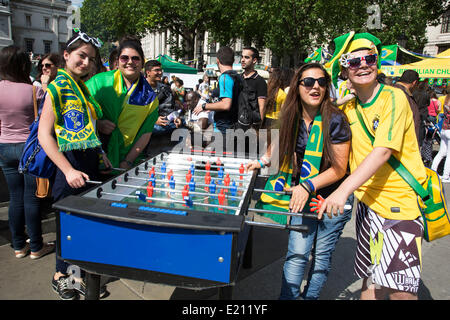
{"x": 171, "y": 66}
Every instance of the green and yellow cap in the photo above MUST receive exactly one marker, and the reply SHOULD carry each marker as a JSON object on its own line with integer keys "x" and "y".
{"x": 350, "y": 42}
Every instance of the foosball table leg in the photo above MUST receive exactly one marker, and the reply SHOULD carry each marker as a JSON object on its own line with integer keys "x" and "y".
{"x": 226, "y": 293}
{"x": 92, "y": 286}
{"x": 248, "y": 252}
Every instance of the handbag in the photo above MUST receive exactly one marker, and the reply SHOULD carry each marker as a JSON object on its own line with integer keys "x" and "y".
{"x": 34, "y": 160}
{"x": 431, "y": 197}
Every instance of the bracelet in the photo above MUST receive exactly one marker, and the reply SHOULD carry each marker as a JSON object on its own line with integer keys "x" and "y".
{"x": 261, "y": 163}
{"x": 311, "y": 185}
{"x": 265, "y": 160}
{"x": 304, "y": 187}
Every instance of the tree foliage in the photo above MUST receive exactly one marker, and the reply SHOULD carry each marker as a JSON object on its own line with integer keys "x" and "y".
{"x": 289, "y": 28}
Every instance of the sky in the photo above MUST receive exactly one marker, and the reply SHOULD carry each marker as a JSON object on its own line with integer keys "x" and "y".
{"x": 77, "y": 3}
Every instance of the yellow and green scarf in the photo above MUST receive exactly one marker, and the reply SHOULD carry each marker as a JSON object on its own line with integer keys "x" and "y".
{"x": 310, "y": 168}
{"x": 73, "y": 106}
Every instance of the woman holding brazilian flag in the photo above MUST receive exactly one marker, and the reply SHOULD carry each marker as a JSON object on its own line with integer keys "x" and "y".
{"x": 130, "y": 107}
{"x": 315, "y": 138}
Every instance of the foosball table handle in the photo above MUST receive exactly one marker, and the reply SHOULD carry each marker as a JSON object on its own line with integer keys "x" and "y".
{"x": 298, "y": 228}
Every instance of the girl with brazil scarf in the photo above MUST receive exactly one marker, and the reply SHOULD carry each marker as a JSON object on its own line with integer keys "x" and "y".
{"x": 67, "y": 134}
{"x": 130, "y": 107}
{"x": 314, "y": 142}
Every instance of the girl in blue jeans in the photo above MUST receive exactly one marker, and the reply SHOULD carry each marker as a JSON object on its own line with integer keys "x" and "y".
{"x": 16, "y": 115}
{"x": 315, "y": 139}
{"x": 67, "y": 134}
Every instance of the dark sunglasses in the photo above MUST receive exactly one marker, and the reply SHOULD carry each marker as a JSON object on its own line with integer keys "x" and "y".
{"x": 309, "y": 82}
{"x": 124, "y": 58}
{"x": 355, "y": 63}
{"x": 48, "y": 65}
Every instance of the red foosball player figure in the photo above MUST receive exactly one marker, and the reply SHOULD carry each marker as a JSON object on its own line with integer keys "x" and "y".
{"x": 169, "y": 174}
{"x": 185, "y": 194}
{"x": 226, "y": 181}
{"x": 207, "y": 178}
{"x": 241, "y": 171}
{"x": 188, "y": 176}
{"x": 149, "y": 191}
{"x": 221, "y": 197}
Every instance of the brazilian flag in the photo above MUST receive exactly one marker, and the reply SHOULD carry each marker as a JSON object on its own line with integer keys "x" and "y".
{"x": 315, "y": 56}
{"x": 310, "y": 168}
{"x": 389, "y": 53}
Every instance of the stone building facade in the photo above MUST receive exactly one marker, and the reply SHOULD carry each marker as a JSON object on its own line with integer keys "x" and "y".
{"x": 41, "y": 26}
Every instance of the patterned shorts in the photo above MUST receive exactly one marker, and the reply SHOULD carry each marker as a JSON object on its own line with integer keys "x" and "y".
{"x": 388, "y": 251}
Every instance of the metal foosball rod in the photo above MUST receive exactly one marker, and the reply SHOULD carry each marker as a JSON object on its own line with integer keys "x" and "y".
{"x": 223, "y": 164}
{"x": 177, "y": 191}
{"x": 299, "y": 228}
{"x": 171, "y": 200}
{"x": 197, "y": 183}
{"x": 215, "y": 172}
{"x": 214, "y": 166}
{"x": 292, "y": 214}
{"x": 170, "y": 166}
{"x": 221, "y": 177}
{"x": 289, "y": 193}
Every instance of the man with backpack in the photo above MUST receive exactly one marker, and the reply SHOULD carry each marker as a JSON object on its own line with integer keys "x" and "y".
{"x": 254, "y": 91}
{"x": 226, "y": 109}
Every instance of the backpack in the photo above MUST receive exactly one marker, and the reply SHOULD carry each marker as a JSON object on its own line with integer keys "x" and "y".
{"x": 245, "y": 104}
{"x": 248, "y": 108}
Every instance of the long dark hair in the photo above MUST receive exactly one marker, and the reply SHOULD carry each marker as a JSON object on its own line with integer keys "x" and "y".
{"x": 273, "y": 85}
{"x": 292, "y": 113}
{"x": 15, "y": 65}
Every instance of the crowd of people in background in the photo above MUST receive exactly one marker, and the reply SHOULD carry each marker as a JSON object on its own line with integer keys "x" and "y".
{"x": 123, "y": 106}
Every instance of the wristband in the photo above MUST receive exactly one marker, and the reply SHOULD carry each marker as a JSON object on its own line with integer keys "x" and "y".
{"x": 304, "y": 187}
{"x": 265, "y": 160}
{"x": 311, "y": 185}
{"x": 204, "y": 106}
{"x": 261, "y": 163}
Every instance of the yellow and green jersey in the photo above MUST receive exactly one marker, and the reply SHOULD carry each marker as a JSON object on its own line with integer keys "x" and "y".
{"x": 390, "y": 120}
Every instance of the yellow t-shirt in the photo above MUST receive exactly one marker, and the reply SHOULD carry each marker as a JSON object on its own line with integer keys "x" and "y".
{"x": 281, "y": 96}
{"x": 389, "y": 118}
{"x": 442, "y": 101}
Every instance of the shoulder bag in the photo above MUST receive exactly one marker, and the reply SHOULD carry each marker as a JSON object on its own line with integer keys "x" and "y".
{"x": 34, "y": 160}
{"x": 431, "y": 197}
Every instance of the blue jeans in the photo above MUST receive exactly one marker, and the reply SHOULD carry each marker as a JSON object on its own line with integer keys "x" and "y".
{"x": 23, "y": 204}
{"x": 323, "y": 236}
{"x": 161, "y": 130}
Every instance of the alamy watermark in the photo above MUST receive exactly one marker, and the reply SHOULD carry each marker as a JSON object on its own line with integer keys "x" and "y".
{"x": 374, "y": 19}
{"x": 251, "y": 144}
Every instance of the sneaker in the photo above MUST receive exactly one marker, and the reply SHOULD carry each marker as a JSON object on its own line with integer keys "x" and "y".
{"x": 23, "y": 252}
{"x": 81, "y": 288}
{"x": 64, "y": 288}
{"x": 46, "y": 249}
